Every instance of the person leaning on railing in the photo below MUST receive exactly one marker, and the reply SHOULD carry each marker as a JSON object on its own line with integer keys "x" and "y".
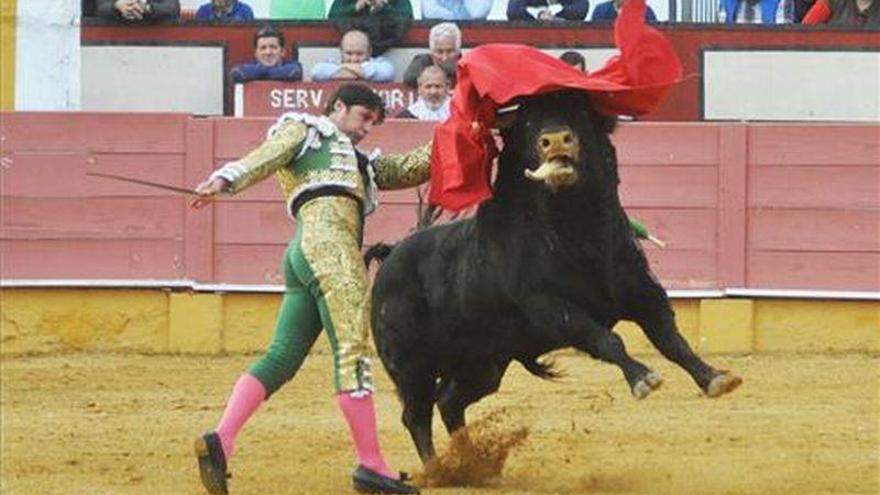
{"x": 844, "y": 12}
{"x": 444, "y": 41}
{"x": 356, "y": 62}
{"x": 225, "y": 11}
{"x": 138, "y": 10}
{"x": 268, "y": 63}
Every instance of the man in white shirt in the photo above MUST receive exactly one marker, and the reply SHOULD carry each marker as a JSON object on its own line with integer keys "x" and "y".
{"x": 356, "y": 62}
{"x": 433, "y": 102}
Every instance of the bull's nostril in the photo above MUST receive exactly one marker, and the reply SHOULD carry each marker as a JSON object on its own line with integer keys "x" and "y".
{"x": 545, "y": 143}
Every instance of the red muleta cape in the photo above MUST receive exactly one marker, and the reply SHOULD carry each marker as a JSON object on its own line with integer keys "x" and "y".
{"x": 632, "y": 83}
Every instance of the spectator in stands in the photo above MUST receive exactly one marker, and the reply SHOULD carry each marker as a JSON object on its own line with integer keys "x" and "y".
{"x": 844, "y": 13}
{"x": 575, "y": 60}
{"x": 89, "y": 8}
{"x": 297, "y": 9}
{"x": 444, "y": 41}
{"x": 456, "y": 10}
{"x": 801, "y": 7}
{"x": 547, "y": 10}
{"x": 356, "y": 8}
{"x": 755, "y": 11}
{"x": 225, "y": 10}
{"x": 356, "y": 62}
{"x": 139, "y": 10}
{"x": 268, "y": 63}
{"x": 607, "y": 11}
{"x": 433, "y": 101}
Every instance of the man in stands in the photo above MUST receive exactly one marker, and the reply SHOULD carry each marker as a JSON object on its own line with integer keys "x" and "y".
{"x": 356, "y": 62}
{"x": 139, "y": 10}
{"x": 547, "y": 10}
{"x": 755, "y": 11}
{"x": 574, "y": 59}
{"x": 607, "y": 11}
{"x": 456, "y": 10}
{"x": 444, "y": 41}
{"x": 844, "y": 13}
{"x": 268, "y": 63}
{"x": 225, "y": 10}
{"x": 433, "y": 102}
{"x": 355, "y": 8}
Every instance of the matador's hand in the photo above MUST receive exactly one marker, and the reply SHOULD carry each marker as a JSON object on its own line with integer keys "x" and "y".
{"x": 207, "y": 190}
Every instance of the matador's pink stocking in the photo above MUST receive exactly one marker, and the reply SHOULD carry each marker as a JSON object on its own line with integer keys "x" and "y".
{"x": 360, "y": 413}
{"x": 247, "y": 395}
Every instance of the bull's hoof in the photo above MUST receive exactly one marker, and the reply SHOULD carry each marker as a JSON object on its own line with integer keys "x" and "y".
{"x": 723, "y": 383}
{"x": 646, "y": 384}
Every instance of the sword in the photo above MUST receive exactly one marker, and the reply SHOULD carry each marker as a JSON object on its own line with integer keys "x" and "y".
{"x": 142, "y": 182}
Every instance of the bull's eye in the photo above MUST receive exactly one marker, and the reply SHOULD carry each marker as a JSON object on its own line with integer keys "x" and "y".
{"x": 545, "y": 143}
{"x": 567, "y": 139}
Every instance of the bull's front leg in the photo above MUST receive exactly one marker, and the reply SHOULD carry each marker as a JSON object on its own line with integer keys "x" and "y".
{"x": 570, "y": 325}
{"x": 647, "y": 305}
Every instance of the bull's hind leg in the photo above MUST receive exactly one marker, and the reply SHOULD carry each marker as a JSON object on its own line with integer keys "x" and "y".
{"x": 572, "y": 326}
{"x": 455, "y": 395}
{"x": 417, "y": 394}
{"x": 650, "y": 309}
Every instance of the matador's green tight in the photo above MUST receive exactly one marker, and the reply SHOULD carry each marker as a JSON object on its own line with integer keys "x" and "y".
{"x": 326, "y": 287}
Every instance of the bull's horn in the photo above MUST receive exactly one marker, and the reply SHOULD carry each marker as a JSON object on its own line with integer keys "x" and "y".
{"x": 555, "y": 173}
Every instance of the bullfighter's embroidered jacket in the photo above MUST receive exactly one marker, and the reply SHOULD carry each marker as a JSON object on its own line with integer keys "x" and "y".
{"x": 308, "y": 154}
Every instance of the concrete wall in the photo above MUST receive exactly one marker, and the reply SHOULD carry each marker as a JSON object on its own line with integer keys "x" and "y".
{"x": 50, "y": 320}
{"x": 47, "y": 55}
{"x": 145, "y": 78}
{"x": 778, "y": 85}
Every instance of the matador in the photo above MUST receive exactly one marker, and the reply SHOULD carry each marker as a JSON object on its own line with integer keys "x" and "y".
{"x": 329, "y": 186}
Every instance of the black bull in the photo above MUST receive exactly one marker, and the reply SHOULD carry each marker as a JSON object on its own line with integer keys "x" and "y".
{"x": 549, "y": 262}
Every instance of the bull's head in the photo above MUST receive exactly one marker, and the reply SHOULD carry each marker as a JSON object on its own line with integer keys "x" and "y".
{"x": 557, "y": 138}
{"x": 558, "y": 150}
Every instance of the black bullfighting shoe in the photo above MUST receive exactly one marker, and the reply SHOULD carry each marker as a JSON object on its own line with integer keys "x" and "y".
{"x": 212, "y": 463}
{"x": 368, "y": 481}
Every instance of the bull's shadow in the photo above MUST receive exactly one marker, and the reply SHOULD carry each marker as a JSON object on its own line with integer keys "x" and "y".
{"x": 549, "y": 262}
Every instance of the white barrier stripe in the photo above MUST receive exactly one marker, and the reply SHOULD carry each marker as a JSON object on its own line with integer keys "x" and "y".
{"x": 802, "y": 294}
{"x": 279, "y": 288}
{"x": 95, "y": 283}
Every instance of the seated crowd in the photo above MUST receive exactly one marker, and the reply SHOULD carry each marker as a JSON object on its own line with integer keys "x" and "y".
{"x": 838, "y": 12}
{"x": 432, "y": 74}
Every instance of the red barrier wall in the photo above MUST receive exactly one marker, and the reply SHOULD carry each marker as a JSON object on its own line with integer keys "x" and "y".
{"x": 758, "y": 206}
{"x": 683, "y": 103}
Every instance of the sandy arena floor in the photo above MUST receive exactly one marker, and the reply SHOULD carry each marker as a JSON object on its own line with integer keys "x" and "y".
{"x": 124, "y": 424}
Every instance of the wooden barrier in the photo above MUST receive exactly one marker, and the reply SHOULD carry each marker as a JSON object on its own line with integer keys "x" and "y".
{"x": 742, "y": 206}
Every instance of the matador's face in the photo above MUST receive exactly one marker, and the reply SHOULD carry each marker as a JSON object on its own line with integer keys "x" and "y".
{"x": 355, "y": 121}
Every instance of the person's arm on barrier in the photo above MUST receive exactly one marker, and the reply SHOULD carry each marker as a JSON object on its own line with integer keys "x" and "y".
{"x": 162, "y": 9}
{"x": 378, "y": 69}
{"x": 248, "y": 72}
{"x": 574, "y": 10}
{"x": 478, "y": 9}
{"x": 516, "y": 11}
{"x": 291, "y": 71}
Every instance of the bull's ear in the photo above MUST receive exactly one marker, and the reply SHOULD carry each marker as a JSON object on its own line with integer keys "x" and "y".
{"x": 506, "y": 116}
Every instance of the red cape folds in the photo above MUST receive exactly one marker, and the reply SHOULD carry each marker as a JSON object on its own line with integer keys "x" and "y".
{"x": 632, "y": 83}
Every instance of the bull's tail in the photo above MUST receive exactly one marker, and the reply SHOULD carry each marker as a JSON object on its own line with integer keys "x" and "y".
{"x": 542, "y": 368}
{"x": 378, "y": 251}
